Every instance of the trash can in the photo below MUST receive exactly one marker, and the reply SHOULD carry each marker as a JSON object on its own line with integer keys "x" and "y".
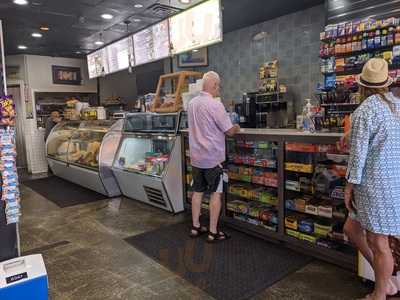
{"x": 24, "y": 278}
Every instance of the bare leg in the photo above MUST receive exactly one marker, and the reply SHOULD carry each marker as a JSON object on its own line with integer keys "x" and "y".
{"x": 358, "y": 237}
{"x": 196, "y": 208}
{"x": 383, "y": 263}
{"x": 215, "y": 209}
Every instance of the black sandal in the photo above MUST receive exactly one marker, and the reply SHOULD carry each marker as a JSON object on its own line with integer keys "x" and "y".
{"x": 196, "y": 232}
{"x": 217, "y": 237}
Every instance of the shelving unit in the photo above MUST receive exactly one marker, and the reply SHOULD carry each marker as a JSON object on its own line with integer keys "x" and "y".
{"x": 265, "y": 219}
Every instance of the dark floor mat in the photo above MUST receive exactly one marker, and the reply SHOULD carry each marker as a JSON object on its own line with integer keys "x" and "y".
{"x": 236, "y": 269}
{"x": 62, "y": 192}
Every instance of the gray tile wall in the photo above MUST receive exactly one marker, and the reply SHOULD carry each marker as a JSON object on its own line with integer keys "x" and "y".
{"x": 292, "y": 39}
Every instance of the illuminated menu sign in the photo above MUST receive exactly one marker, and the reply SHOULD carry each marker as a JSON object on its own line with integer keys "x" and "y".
{"x": 152, "y": 43}
{"x": 97, "y": 63}
{"x": 197, "y": 27}
{"x": 119, "y": 54}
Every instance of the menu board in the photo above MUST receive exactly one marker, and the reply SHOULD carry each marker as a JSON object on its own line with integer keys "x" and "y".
{"x": 197, "y": 27}
{"x": 152, "y": 43}
{"x": 119, "y": 54}
{"x": 97, "y": 63}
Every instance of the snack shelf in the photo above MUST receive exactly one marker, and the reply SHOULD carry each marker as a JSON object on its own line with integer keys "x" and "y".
{"x": 331, "y": 39}
{"x": 240, "y": 207}
{"x": 269, "y": 165}
{"x": 355, "y": 53}
{"x": 341, "y": 218}
{"x": 252, "y": 182}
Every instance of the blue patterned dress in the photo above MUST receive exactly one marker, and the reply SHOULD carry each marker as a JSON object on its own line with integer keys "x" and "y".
{"x": 374, "y": 165}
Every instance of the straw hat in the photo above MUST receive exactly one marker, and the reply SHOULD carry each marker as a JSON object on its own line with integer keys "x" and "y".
{"x": 375, "y": 74}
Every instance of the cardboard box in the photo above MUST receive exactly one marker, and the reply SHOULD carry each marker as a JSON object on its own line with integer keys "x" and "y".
{"x": 291, "y": 222}
{"x": 296, "y": 167}
{"x": 301, "y": 147}
{"x": 293, "y": 233}
{"x": 308, "y": 238}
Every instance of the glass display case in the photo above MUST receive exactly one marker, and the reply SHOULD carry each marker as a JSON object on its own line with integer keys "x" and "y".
{"x": 252, "y": 192}
{"x": 150, "y": 156}
{"x": 76, "y": 149}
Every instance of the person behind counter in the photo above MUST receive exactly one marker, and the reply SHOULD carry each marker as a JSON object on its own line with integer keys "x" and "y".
{"x": 52, "y": 121}
{"x": 208, "y": 125}
{"x": 373, "y": 190}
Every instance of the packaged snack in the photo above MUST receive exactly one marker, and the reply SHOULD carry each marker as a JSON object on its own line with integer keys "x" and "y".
{"x": 7, "y": 111}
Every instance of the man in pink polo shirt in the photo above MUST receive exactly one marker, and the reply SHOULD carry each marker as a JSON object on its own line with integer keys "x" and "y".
{"x": 208, "y": 125}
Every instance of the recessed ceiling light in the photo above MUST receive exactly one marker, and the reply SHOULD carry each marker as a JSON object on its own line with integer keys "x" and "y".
{"x": 138, "y": 5}
{"x": 195, "y": 50}
{"x": 22, "y": 47}
{"x": 107, "y": 16}
{"x": 185, "y": 1}
{"x": 99, "y": 43}
{"x": 78, "y": 52}
{"x": 137, "y": 20}
{"x": 21, "y": 2}
{"x": 37, "y": 35}
{"x": 44, "y": 28}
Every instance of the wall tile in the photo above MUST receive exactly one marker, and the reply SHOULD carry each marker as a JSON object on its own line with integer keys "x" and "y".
{"x": 292, "y": 39}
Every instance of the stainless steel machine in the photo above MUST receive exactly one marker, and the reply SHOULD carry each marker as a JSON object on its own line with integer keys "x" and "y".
{"x": 148, "y": 164}
{"x": 83, "y": 152}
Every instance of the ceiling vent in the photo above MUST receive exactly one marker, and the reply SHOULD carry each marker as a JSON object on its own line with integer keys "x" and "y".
{"x": 162, "y": 11}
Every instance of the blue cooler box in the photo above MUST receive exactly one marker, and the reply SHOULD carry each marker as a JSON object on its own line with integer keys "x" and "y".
{"x": 24, "y": 278}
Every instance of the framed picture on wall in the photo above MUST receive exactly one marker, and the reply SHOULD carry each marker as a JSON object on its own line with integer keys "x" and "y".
{"x": 67, "y": 75}
{"x": 194, "y": 58}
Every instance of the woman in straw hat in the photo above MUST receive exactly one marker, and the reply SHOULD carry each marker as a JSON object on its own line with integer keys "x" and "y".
{"x": 373, "y": 173}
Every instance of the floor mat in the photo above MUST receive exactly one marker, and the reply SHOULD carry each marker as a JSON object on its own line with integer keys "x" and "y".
{"x": 62, "y": 192}
{"x": 236, "y": 269}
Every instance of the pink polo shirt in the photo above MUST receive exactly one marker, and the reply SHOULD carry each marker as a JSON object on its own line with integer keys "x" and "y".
{"x": 208, "y": 122}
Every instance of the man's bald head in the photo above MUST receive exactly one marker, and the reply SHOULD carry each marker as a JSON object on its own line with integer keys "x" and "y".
{"x": 211, "y": 83}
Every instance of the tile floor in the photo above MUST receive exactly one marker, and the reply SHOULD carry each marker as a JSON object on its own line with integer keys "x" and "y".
{"x": 87, "y": 257}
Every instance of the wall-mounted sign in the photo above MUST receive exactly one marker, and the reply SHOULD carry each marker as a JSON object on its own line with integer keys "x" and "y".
{"x": 194, "y": 58}
{"x": 152, "y": 43}
{"x": 196, "y": 27}
{"x": 120, "y": 55}
{"x": 66, "y": 75}
{"x": 97, "y": 63}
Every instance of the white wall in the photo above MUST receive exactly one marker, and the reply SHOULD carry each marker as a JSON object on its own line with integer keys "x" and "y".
{"x": 40, "y": 76}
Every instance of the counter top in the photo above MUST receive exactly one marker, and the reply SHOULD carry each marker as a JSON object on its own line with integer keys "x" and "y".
{"x": 284, "y": 132}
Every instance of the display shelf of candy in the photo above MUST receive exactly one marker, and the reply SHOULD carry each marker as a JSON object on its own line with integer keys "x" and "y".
{"x": 255, "y": 176}
{"x": 255, "y": 213}
{"x": 251, "y": 153}
{"x": 314, "y": 202}
{"x": 8, "y": 169}
{"x": 249, "y": 192}
{"x": 361, "y": 27}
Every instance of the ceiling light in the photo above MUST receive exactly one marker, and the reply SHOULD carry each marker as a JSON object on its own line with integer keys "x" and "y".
{"x": 107, "y": 16}
{"x": 185, "y": 1}
{"x": 44, "y": 28}
{"x": 78, "y": 52}
{"x": 37, "y": 35}
{"x": 138, "y": 5}
{"x": 99, "y": 43}
{"x": 21, "y": 2}
{"x": 195, "y": 50}
{"x": 137, "y": 20}
{"x": 22, "y": 47}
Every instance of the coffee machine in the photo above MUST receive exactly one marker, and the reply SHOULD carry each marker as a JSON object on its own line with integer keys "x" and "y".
{"x": 263, "y": 110}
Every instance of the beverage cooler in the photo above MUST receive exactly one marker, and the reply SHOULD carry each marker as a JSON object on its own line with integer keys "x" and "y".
{"x": 148, "y": 164}
{"x": 83, "y": 152}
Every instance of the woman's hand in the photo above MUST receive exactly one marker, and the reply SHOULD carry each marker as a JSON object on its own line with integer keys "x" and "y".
{"x": 348, "y": 197}
{"x": 343, "y": 145}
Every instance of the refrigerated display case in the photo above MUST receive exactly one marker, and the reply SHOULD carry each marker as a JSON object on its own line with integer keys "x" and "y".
{"x": 83, "y": 152}
{"x": 148, "y": 166}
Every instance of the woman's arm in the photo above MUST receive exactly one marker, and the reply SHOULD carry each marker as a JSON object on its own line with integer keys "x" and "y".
{"x": 359, "y": 145}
